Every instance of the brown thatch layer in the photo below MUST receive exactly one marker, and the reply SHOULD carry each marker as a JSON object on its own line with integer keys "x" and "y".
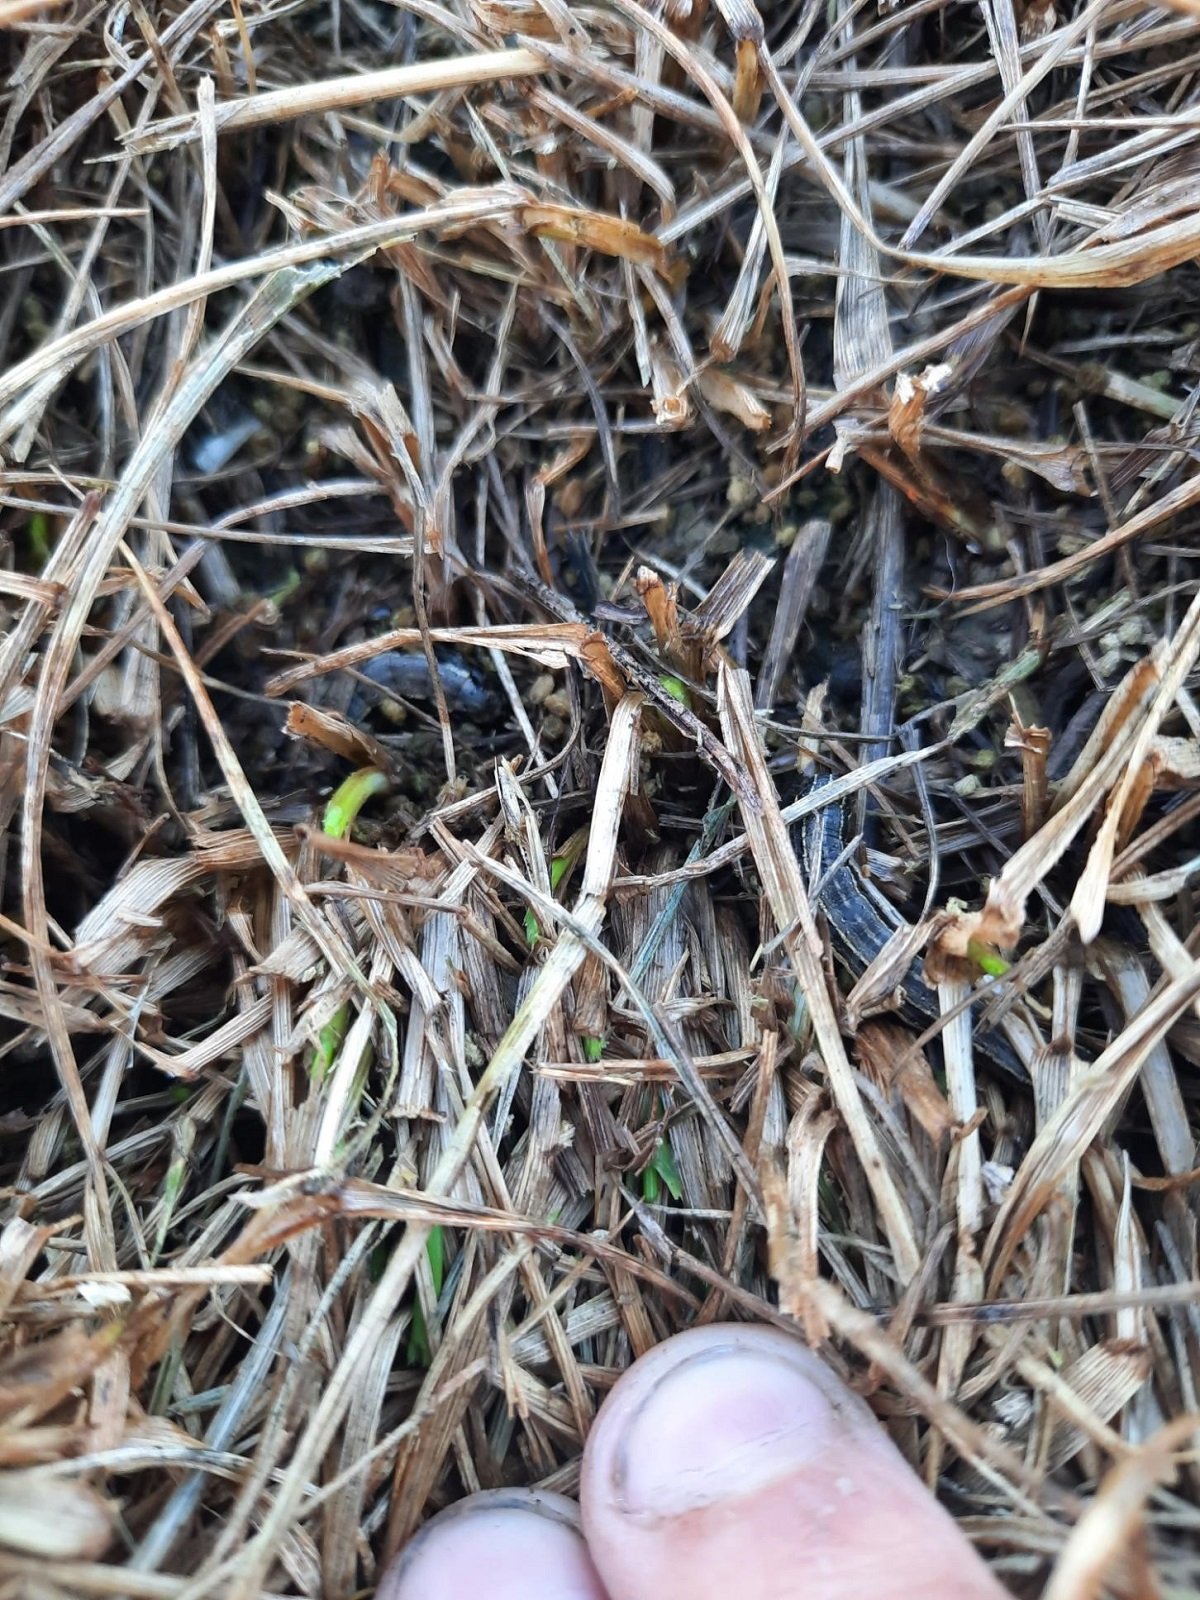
{"x": 665, "y": 405}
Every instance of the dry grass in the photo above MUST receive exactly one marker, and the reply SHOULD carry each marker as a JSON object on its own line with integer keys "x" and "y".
{"x": 733, "y": 397}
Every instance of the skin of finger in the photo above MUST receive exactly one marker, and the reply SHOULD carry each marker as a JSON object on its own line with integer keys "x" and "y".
{"x": 851, "y": 1523}
{"x": 505, "y": 1545}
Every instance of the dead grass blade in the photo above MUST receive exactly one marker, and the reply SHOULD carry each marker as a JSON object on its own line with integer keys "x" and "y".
{"x": 1067, "y": 1134}
{"x": 1105, "y": 1533}
{"x": 783, "y": 885}
{"x": 338, "y": 94}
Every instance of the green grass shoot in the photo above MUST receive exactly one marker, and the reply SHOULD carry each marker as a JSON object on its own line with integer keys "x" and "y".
{"x": 344, "y": 805}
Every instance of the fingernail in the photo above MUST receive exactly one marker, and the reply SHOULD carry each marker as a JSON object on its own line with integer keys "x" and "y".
{"x": 721, "y": 1424}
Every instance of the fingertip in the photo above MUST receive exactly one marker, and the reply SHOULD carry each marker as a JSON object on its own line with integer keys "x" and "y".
{"x": 505, "y": 1544}
{"x": 732, "y": 1459}
{"x": 715, "y": 1407}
